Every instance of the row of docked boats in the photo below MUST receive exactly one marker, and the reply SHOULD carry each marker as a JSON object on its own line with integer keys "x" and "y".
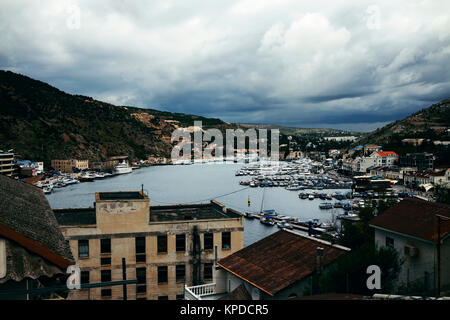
{"x": 298, "y": 175}
{"x": 271, "y": 218}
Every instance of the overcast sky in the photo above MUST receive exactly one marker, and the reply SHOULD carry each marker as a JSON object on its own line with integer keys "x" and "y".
{"x": 340, "y": 64}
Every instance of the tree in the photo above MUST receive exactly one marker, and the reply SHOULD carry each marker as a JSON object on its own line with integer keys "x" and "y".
{"x": 349, "y": 273}
{"x": 442, "y": 194}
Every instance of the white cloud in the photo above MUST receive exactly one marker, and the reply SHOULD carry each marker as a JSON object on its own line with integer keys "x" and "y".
{"x": 309, "y": 62}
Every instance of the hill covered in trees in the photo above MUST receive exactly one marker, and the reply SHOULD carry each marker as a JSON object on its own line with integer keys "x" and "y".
{"x": 41, "y": 122}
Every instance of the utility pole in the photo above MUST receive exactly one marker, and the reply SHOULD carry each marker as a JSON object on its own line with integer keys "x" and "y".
{"x": 439, "y": 219}
{"x": 124, "y": 277}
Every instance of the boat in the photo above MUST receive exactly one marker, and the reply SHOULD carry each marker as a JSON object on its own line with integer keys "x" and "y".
{"x": 86, "y": 178}
{"x": 284, "y": 224}
{"x": 250, "y": 215}
{"x": 266, "y": 221}
{"x": 293, "y": 188}
{"x": 122, "y": 168}
{"x": 47, "y": 189}
{"x": 338, "y": 205}
{"x": 311, "y": 197}
{"x": 349, "y": 216}
{"x": 325, "y": 205}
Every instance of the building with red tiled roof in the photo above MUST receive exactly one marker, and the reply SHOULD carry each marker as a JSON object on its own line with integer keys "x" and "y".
{"x": 384, "y": 158}
{"x": 410, "y": 228}
{"x": 279, "y": 266}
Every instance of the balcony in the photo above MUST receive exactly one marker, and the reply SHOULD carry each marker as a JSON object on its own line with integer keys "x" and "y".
{"x": 202, "y": 292}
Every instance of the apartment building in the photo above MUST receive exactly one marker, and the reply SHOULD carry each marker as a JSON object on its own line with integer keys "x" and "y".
{"x": 165, "y": 247}
{"x": 69, "y": 165}
{"x": 7, "y": 163}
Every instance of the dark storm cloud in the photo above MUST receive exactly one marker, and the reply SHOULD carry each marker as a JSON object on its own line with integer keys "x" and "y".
{"x": 343, "y": 64}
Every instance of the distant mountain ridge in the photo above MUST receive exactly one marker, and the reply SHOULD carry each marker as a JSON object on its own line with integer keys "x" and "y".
{"x": 302, "y": 131}
{"x": 41, "y": 122}
{"x": 417, "y": 125}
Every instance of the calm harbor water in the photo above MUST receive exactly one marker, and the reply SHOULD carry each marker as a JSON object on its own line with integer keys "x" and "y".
{"x": 198, "y": 183}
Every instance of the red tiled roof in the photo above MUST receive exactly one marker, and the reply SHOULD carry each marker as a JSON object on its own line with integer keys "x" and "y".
{"x": 279, "y": 260}
{"x": 387, "y": 154}
{"x": 414, "y": 217}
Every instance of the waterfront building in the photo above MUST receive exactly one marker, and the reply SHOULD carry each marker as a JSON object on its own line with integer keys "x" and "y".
{"x": 33, "y": 251}
{"x": 427, "y": 177}
{"x": 410, "y": 228}
{"x": 421, "y": 161}
{"x": 278, "y": 267}
{"x": 7, "y": 166}
{"x": 164, "y": 247}
{"x": 384, "y": 158}
{"x": 69, "y": 165}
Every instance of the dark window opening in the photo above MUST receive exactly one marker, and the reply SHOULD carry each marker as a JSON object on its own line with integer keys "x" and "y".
{"x": 84, "y": 277}
{"x": 105, "y": 261}
{"x": 226, "y": 240}
{"x": 162, "y": 274}
{"x": 105, "y": 246}
{"x": 83, "y": 248}
{"x": 208, "y": 241}
{"x": 106, "y": 275}
{"x": 162, "y": 244}
{"x": 106, "y": 293}
{"x": 140, "y": 245}
{"x": 141, "y": 277}
{"x": 389, "y": 242}
{"x": 180, "y": 272}
{"x": 208, "y": 271}
{"x": 180, "y": 243}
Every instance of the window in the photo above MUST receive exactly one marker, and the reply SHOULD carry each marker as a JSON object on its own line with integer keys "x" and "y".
{"x": 105, "y": 246}
{"x": 162, "y": 244}
{"x": 180, "y": 296}
{"x": 208, "y": 241}
{"x": 84, "y": 277}
{"x": 389, "y": 242}
{"x": 163, "y": 298}
{"x": 141, "y": 277}
{"x": 105, "y": 261}
{"x": 106, "y": 275}
{"x": 226, "y": 240}
{"x": 140, "y": 244}
{"x": 180, "y": 272}
{"x": 162, "y": 274}
{"x": 83, "y": 248}
{"x": 106, "y": 293}
{"x": 207, "y": 271}
{"x": 140, "y": 250}
{"x": 180, "y": 243}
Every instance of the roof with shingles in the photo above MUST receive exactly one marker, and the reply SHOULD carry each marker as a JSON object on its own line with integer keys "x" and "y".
{"x": 279, "y": 260}
{"x": 26, "y": 218}
{"x": 414, "y": 217}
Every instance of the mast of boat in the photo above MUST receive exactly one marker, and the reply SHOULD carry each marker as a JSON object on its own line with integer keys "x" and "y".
{"x": 262, "y": 201}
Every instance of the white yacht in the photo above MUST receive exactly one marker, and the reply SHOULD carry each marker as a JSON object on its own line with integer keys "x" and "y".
{"x": 122, "y": 167}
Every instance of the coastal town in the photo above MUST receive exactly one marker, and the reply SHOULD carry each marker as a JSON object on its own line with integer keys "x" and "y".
{"x": 209, "y": 257}
{"x": 224, "y": 159}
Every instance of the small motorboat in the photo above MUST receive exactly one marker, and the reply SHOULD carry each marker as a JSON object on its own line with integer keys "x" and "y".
{"x": 284, "y": 225}
{"x": 325, "y": 205}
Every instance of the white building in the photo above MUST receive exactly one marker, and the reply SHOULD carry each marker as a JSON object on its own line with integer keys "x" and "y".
{"x": 410, "y": 228}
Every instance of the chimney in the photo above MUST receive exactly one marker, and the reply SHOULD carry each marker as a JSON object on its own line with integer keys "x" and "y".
{"x": 319, "y": 258}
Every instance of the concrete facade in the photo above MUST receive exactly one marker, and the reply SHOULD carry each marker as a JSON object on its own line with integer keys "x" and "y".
{"x": 123, "y": 220}
{"x": 419, "y": 262}
{"x": 67, "y": 165}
